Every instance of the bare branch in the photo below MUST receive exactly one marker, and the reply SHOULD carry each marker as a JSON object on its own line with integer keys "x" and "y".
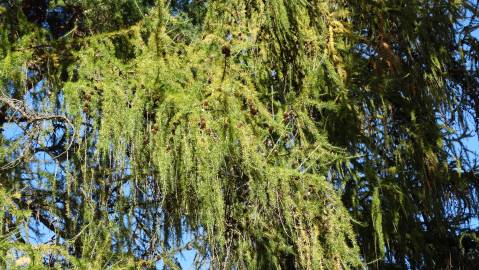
{"x": 22, "y": 114}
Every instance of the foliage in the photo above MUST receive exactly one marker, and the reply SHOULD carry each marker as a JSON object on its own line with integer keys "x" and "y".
{"x": 256, "y": 134}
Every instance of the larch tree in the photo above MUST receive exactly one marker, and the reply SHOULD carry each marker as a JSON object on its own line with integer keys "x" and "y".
{"x": 253, "y": 134}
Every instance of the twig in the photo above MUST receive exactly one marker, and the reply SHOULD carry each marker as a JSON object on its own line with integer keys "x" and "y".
{"x": 30, "y": 117}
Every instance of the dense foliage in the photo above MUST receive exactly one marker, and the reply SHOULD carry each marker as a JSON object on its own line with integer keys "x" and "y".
{"x": 257, "y": 134}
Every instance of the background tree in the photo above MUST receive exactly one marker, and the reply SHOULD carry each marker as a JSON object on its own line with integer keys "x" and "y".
{"x": 411, "y": 105}
{"x": 255, "y": 134}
